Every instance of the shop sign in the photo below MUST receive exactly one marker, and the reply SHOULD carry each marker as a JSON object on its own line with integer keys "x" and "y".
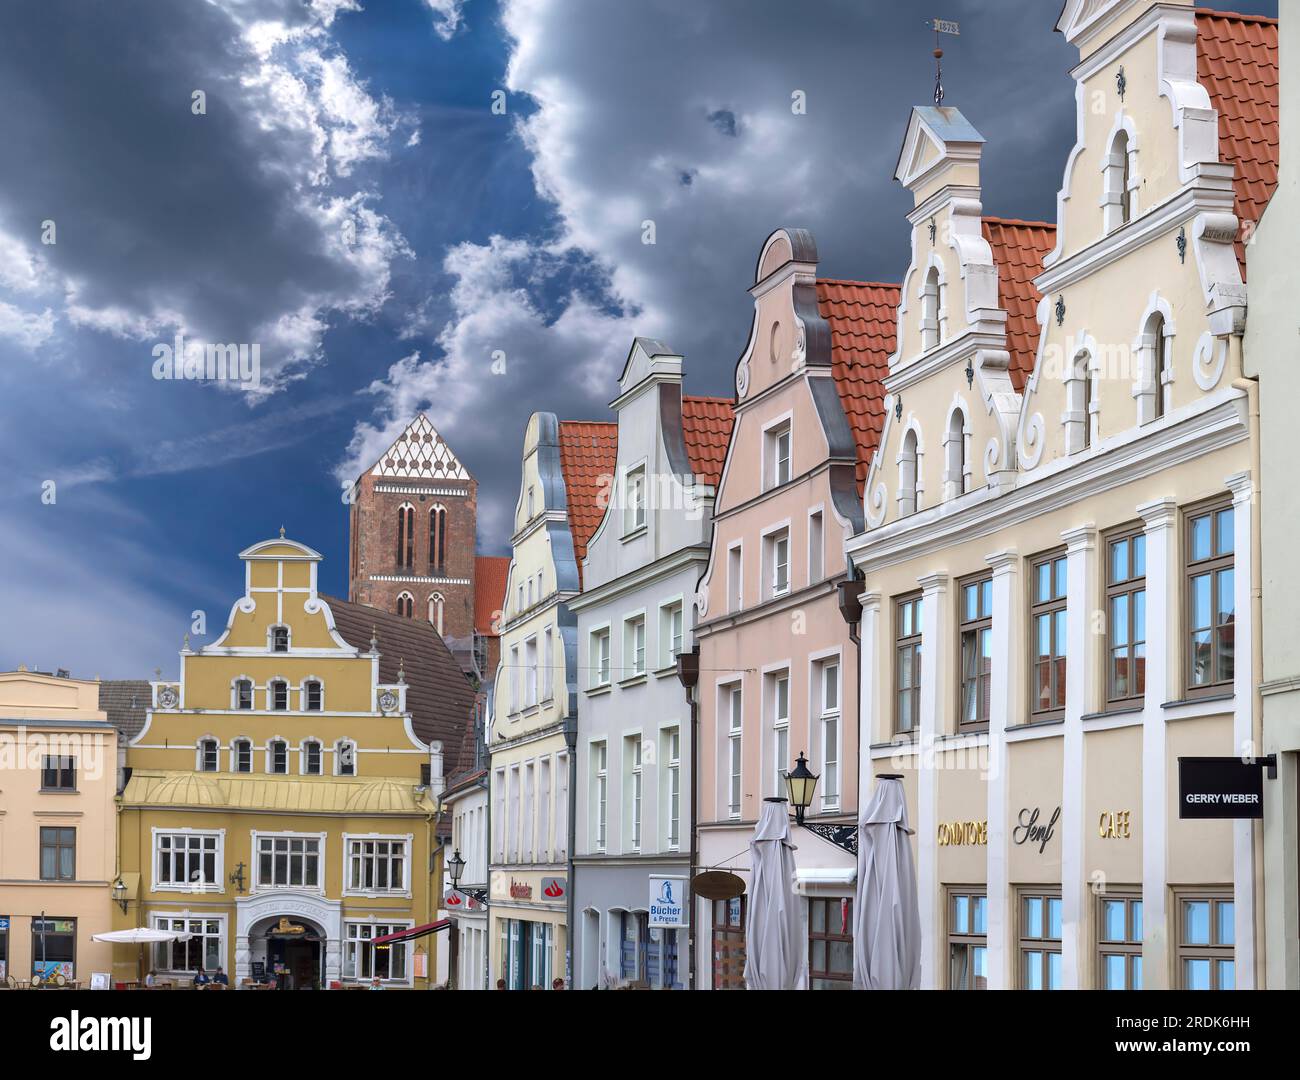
{"x": 1033, "y": 830}
{"x": 1220, "y": 787}
{"x": 555, "y": 888}
{"x": 520, "y": 890}
{"x": 667, "y": 901}
{"x": 1115, "y": 825}
{"x": 961, "y": 833}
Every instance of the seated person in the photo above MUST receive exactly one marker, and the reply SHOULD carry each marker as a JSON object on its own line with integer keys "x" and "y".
{"x": 201, "y": 979}
{"x": 221, "y": 977}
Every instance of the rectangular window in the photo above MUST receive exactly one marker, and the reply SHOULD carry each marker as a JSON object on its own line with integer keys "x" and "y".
{"x": 600, "y": 657}
{"x": 776, "y": 558}
{"x": 633, "y": 790}
{"x": 1047, "y": 576}
{"x": 243, "y": 694}
{"x": 1211, "y": 600}
{"x": 1040, "y": 940}
{"x": 561, "y": 807}
{"x": 58, "y": 773}
{"x": 826, "y": 687}
{"x": 816, "y": 548}
{"x": 530, "y": 672}
{"x": 1119, "y": 940}
{"x": 187, "y": 860}
{"x": 516, "y": 680}
{"x": 907, "y": 664}
{"x": 975, "y": 630}
{"x": 4, "y": 946}
{"x": 1126, "y": 617}
{"x": 634, "y": 647}
{"x": 279, "y": 755}
{"x": 635, "y": 514}
{"x": 729, "y": 944}
{"x": 499, "y": 814}
{"x": 530, "y": 816}
{"x": 288, "y": 862}
{"x": 313, "y": 695}
{"x": 672, "y": 757}
{"x": 778, "y": 455}
{"x": 600, "y": 793}
{"x": 377, "y": 865}
{"x": 1206, "y": 940}
{"x": 968, "y": 942}
{"x": 731, "y": 696}
{"x": 205, "y": 947}
{"x": 311, "y": 758}
{"x": 634, "y": 940}
{"x": 58, "y": 854}
{"x": 670, "y": 633}
{"x": 548, "y": 666}
{"x": 830, "y": 943}
{"x": 779, "y": 703}
{"x": 364, "y": 961}
{"x": 544, "y": 809}
{"x": 279, "y": 695}
{"x": 735, "y": 594}
{"x": 54, "y": 948}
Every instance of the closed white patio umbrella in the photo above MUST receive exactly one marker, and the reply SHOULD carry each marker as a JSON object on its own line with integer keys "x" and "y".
{"x": 142, "y": 936}
{"x": 887, "y": 918}
{"x": 774, "y": 949}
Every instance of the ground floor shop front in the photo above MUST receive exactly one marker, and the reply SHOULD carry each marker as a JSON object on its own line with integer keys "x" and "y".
{"x": 46, "y": 932}
{"x": 632, "y": 920}
{"x": 528, "y": 941}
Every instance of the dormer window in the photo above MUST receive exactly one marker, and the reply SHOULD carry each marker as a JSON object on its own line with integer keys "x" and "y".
{"x": 243, "y": 693}
{"x": 312, "y": 694}
{"x": 279, "y": 639}
{"x": 279, "y": 693}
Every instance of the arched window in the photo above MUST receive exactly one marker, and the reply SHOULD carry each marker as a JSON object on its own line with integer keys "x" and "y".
{"x": 406, "y": 604}
{"x": 311, "y": 754}
{"x": 208, "y": 753}
{"x": 909, "y": 472}
{"x": 438, "y": 541}
{"x": 435, "y": 611}
{"x": 954, "y": 451}
{"x": 345, "y": 757}
{"x": 243, "y": 693}
{"x": 1154, "y": 349}
{"x": 406, "y": 535}
{"x": 1079, "y": 404}
{"x": 277, "y": 756}
{"x": 279, "y": 639}
{"x": 930, "y": 305}
{"x": 279, "y": 694}
{"x": 241, "y": 756}
{"x": 1118, "y": 188}
{"x": 312, "y": 695}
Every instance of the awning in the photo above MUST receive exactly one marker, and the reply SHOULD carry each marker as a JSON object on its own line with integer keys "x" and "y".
{"x": 413, "y": 933}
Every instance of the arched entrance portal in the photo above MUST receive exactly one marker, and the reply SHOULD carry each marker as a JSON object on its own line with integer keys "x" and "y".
{"x": 292, "y": 951}
{"x": 265, "y": 936}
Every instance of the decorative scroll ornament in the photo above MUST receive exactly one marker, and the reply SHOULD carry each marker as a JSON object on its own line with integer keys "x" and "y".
{"x": 842, "y": 836}
{"x": 1208, "y": 360}
{"x": 742, "y": 378}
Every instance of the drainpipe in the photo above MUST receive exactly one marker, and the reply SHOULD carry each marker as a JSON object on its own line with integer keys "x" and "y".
{"x": 850, "y": 597}
{"x": 571, "y": 741}
{"x": 688, "y": 673}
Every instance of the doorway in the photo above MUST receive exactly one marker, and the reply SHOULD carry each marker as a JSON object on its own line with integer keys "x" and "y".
{"x": 295, "y": 962}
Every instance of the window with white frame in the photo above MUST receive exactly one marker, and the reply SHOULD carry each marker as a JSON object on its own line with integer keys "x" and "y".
{"x": 279, "y": 639}
{"x": 735, "y": 565}
{"x": 671, "y": 631}
{"x": 816, "y": 548}
{"x": 204, "y": 948}
{"x": 671, "y": 755}
{"x": 732, "y": 704}
{"x": 931, "y": 305}
{"x": 1154, "y": 346}
{"x": 364, "y": 961}
{"x": 513, "y": 810}
{"x": 826, "y": 690}
{"x": 909, "y": 475}
{"x": 778, "y": 688}
{"x": 277, "y": 756}
{"x": 516, "y": 678}
{"x": 243, "y": 693}
{"x": 632, "y": 791}
{"x": 187, "y": 860}
{"x": 241, "y": 755}
{"x": 286, "y": 862}
{"x": 499, "y": 815}
{"x": 278, "y": 692}
{"x": 548, "y": 665}
{"x": 209, "y": 752}
{"x": 599, "y": 657}
{"x": 544, "y": 809}
{"x": 345, "y": 758}
{"x": 529, "y": 819}
{"x": 600, "y": 794}
{"x": 377, "y": 865}
{"x": 530, "y": 672}
{"x": 311, "y": 758}
{"x": 313, "y": 695}
{"x": 1118, "y": 188}
{"x": 634, "y": 516}
{"x": 1078, "y": 404}
{"x": 777, "y": 452}
{"x": 954, "y": 453}
{"x": 561, "y": 807}
{"x": 531, "y": 503}
{"x": 776, "y": 559}
{"x": 634, "y": 646}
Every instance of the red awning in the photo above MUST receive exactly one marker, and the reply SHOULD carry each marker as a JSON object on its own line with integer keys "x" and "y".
{"x": 413, "y": 933}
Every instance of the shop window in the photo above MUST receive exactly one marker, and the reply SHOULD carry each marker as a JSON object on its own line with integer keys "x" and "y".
{"x": 830, "y": 943}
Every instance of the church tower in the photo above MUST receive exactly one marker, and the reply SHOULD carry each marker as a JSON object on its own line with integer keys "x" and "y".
{"x": 412, "y": 531}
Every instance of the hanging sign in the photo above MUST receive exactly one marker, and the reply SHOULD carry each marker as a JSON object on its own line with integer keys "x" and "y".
{"x": 718, "y": 885}
{"x": 667, "y": 901}
{"x": 554, "y": 888}
{"x": 1220, "y": 787}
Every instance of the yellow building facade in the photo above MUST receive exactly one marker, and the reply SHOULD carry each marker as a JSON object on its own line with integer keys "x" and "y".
{"x": 279, "y": 804}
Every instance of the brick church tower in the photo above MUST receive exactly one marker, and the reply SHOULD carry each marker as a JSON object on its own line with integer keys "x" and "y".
{"x": 412, "y": 532}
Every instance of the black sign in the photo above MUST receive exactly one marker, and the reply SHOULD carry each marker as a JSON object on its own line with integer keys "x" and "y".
{"x": 1220, "y": 787}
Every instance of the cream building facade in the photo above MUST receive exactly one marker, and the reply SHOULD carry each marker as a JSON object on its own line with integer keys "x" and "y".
{"x": 58, "y": 828}
{"x": 1059, "y": 557}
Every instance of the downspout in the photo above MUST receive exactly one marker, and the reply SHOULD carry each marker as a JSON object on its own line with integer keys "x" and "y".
{"x": 571, "y": 741}
{"x": 688, "y": 673}
{"x": 1251, "y": 389}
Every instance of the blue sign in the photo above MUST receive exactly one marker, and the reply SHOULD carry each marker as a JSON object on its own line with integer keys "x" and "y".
{"x": 668, "y": 897}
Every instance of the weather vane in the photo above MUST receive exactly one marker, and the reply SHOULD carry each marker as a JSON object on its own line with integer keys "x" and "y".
{"x": 940, "y": 26}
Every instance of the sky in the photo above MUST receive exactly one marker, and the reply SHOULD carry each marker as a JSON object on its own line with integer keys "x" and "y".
{"x": 384, "y": 197}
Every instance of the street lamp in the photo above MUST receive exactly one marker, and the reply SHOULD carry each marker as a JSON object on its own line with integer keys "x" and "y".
{"x": 800, "y": 783}
{"x": 119, "y": 894}
{"x": 455, "y": 868}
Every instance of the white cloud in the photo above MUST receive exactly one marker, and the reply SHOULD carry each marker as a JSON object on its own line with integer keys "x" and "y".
{"x": 447, "y": 16}
{"x": 29, "y": 329}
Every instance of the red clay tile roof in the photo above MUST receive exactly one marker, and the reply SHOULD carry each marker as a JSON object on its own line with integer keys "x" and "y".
{"x": 706, "y": 427}
{"x": 862, "y": 317}
{"x": 1236, "y": 62}
{"x": 490, "y": 573}
{"x": 1018, "y": 250}
{"x": 588, "y": 458}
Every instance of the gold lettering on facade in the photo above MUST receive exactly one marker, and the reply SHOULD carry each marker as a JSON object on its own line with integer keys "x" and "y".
{"x": 959, "y": 833}
{"x": 1115, "y": 825}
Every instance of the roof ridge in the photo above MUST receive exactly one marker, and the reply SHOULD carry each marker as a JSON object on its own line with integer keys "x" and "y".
{"x": 1241, "y": 15}
{"x": 854, "y": 281}
{"x": 705, "y": 397}
{"x": 1019, "y": 221}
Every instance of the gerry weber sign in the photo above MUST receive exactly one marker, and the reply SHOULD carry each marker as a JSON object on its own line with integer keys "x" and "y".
{"x": 667, "y": 901}
{"x": 1220, "y": 787}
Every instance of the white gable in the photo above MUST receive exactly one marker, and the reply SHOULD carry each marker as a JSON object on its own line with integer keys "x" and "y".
{"x": 421, "y": 453}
